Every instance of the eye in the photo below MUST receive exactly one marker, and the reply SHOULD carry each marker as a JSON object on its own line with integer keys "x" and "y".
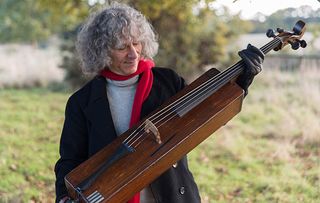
{"x": 135, "y": 43}
{"x": 121, "y": 47}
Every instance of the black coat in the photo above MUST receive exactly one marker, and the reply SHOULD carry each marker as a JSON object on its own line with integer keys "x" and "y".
{"x": 88, "y": 127}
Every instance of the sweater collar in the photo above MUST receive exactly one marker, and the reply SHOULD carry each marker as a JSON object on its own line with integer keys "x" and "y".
{"x": 123, "y": 83}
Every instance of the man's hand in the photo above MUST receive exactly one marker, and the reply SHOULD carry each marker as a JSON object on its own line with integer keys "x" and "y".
{"x": 253, "y": 58}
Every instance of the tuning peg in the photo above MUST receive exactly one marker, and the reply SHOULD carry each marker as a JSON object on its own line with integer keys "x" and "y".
{"x": 280, "y": 30}
{"x": 298, "y": 27}
{"x": 303, "y": 43}
{"x": 270, "y": 33}
{"x": 295, "y": 45}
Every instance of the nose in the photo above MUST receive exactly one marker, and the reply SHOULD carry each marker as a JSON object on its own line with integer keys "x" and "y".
{"x": 133, "y": 52}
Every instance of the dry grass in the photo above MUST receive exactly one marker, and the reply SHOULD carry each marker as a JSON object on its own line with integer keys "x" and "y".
{"x": 29, "y": 66}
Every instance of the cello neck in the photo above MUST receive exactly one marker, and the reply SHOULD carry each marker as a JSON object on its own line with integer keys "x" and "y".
{"x": 237, "y": 68}
{"x": 215, "y": 83}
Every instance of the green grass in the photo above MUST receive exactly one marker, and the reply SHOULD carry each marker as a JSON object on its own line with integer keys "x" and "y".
{"x": 267, "y": 153}
{"x": 30, "y": 123}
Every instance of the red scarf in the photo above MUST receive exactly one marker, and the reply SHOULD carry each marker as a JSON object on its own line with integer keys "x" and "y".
{"x": 142, "y": 92}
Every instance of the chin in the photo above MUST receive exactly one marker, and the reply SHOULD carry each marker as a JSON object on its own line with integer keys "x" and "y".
{"x": 131, "y": 71}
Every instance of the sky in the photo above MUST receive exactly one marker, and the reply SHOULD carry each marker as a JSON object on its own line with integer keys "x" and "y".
{"x": 249, "y": 8}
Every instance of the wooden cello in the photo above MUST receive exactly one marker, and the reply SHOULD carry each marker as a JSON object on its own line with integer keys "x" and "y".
{"x": 167, "y": 134}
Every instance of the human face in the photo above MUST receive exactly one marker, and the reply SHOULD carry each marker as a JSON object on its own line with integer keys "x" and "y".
{"x": 125, "y": 58}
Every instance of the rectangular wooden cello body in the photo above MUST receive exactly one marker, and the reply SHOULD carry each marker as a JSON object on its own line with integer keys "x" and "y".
{"x": 135, "y": 170}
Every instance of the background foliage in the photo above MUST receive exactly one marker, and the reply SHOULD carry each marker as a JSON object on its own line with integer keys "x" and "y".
{"x": 178, "y": 23}
{"x": 287, "y": 17}
{"x": 191, "y": 34}
{"x": 34, "y": 21}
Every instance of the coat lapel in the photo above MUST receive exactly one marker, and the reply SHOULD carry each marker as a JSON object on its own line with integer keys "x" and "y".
{"x": 99, "y": 115}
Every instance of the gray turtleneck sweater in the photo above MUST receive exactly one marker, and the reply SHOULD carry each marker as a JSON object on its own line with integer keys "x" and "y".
{"x": 120, "y": 97}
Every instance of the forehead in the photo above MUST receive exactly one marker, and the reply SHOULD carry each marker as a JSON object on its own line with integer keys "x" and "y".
{"x": 128, "y": 35}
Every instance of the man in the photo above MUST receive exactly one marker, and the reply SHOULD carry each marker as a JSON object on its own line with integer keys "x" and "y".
{"x": 116, "y": 45}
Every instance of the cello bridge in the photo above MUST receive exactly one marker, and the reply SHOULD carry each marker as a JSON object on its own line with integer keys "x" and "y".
{"x": 150, "y": 127}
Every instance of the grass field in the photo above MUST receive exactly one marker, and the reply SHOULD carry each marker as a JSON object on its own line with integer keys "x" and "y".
{"x": 268, "y": 153}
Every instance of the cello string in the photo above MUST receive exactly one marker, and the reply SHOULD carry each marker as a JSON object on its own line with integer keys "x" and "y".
{"x": 179, "y": 101}
{"x": 264, "y": 49}
{"x": 217, "y": 85}
{"x": 236, "y": 67}
{"x": 176, "y": 103}
{"x": 227, "y": 77}
{"x": 171, "y": 115}
{"x": 210, "y": 85}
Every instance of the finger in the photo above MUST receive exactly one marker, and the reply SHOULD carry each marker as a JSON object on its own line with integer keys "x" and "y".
{"x": 256, "y": 51}
{"x": 246, "y": 59}
{"x": 252, "y": 62}
{"x": 255, "y": 59}
{"x": 255, "y": 56}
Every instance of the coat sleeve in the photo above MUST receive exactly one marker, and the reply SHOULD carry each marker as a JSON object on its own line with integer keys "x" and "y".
{"x": 73, "y": 144}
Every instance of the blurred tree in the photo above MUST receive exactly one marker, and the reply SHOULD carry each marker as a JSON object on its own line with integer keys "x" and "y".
{"x": 19, "y": 21}
{"x": 36, "y": 20}
{"x": 177, "y": 27}
{"x": 70, "y": 63}
{"x": 64, "y": 15}
{"x": 191, "y": 34}
{"x": 65, "y": 18}
{"x": 286, "y": 17}
{"x": 217, "y": 32}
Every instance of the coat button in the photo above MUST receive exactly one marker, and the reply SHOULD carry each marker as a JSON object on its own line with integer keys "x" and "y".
{"x": 175, "y": 165}
{"x": 182, "y": 190}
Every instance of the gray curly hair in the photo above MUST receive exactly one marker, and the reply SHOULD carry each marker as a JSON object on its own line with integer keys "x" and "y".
{"x": 110, "y": 28}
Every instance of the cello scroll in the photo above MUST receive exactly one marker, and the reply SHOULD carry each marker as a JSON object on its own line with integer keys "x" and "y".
{"x": 290, "y": 37}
